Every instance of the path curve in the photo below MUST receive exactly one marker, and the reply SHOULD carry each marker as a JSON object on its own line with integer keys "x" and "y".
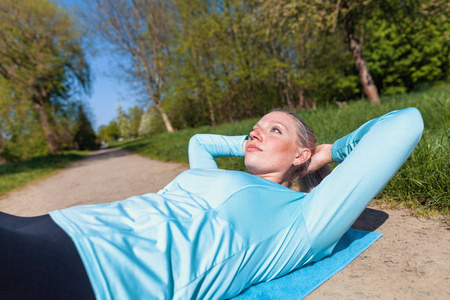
{"x": 411, "y": 260}
{"x": 104, "y": 176}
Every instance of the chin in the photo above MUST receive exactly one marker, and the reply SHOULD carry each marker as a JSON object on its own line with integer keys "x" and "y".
{"x": 249, "y": 167}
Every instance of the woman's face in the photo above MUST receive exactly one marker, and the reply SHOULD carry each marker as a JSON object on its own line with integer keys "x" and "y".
{"x": 272, "y": 149}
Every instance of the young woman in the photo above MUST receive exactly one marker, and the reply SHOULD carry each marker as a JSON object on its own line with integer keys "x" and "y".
{"x": 211, "y": 233}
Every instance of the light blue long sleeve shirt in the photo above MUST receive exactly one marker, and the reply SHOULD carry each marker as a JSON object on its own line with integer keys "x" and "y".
{"x": 211, "y": 233}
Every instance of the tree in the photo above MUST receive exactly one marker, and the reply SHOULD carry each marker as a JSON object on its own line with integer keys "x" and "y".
{"x": 296, "y": 27}
{"x": 218, "y": 64}
{"x": 109, "y": 133}
{"x": 291, "y": 30}
{"x": 145, "y": 127}
{"x": 151, "y": 123}
{"x": 139, "y": 30}
{"x": 193, "y": 75}
{"x": 84, "y": 136}
{"x": 42, "y": 58}
{"x": 123, "y": 122}
{"x": 21, "y": 134}
{"x": 135, "y": 114}
{"x": 410, "y": 53}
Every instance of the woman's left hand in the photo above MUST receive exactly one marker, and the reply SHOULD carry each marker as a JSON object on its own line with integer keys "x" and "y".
{"x": 322, "y": 156}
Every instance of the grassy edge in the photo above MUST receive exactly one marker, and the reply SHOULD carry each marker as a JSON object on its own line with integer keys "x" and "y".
{"x": 17, "y": 175}
{"x": 413, "y": 209}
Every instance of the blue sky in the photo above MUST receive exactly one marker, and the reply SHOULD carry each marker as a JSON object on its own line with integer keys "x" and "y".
{"x": 107, "y": 89}
{"x": 106, "y": 92}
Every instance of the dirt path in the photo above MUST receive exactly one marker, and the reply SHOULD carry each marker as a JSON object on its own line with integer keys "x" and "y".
{"x": 104, "y": 176}
{"x": 411, "y": 260}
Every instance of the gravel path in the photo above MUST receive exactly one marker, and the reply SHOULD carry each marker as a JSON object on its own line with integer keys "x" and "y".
{"x": 104, "y": 176}
{"x": 411, "y": 260}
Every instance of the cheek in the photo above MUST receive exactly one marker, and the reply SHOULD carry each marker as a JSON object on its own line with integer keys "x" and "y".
{"x": 282, "y": 148}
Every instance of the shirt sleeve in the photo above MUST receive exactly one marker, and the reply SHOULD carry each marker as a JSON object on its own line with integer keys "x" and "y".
{"x": 204, "y": 148}
{"x": 343, "y": 146}
{"x": 369, "y": 157}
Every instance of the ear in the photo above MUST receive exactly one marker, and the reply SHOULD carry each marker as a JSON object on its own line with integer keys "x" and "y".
{"x": 302, "y": 156}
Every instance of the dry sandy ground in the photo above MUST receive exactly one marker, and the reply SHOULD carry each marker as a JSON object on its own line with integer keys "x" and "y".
{"x": 411, "y": 260}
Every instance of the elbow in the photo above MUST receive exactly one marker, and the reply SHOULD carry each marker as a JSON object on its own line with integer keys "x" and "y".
{"x": 193, "y": 145}
{"x": 412, "y": 118}
{"x": 194, "y": 140}
{"x": 405, "y": 129}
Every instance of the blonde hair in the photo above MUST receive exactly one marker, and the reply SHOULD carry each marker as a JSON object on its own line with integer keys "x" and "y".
{"x": 306, "y": 139}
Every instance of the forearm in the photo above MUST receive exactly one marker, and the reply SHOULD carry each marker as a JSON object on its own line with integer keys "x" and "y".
{"x": 204, "y": 148}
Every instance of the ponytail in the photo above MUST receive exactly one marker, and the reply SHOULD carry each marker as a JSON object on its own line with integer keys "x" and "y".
{"x": 308, "y": 182}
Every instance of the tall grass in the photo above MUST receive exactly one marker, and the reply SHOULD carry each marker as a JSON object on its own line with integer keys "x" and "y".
{"x": 423, "y": 182}
{"x": 14, "y": 175}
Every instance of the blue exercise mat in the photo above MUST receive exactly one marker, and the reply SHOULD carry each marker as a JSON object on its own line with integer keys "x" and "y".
{"x": 298, "y": 284}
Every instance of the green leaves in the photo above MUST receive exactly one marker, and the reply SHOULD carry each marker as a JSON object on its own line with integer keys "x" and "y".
{"x": 406, "y": 44}
{"x": 42, "y": 65}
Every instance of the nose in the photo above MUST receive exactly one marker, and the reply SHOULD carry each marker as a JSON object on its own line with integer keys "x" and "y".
{"x": 256, "y": 134}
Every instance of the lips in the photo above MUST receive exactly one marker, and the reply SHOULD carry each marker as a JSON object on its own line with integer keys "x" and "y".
{"x": 253, "y": 148}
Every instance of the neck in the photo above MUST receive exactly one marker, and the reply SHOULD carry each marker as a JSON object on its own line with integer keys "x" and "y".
{"x": 277, "y": 178}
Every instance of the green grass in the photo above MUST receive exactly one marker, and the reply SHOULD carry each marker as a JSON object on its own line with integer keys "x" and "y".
{"x": 14, "y": 175}
{"x": 422, "y": 183}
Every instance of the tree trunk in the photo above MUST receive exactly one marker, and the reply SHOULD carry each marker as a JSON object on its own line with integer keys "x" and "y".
{"x": 51, "y": 137}
{"x": 364, "y": 75}
{"x": 165, "y": 117}
{"x": 211, "y": 114}
{"x": 208, "y": 99}
{"x": 301, "y": 99}
{"x": 355, "y": 46}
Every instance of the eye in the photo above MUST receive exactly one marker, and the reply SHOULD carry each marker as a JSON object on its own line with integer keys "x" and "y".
{"x": 276, "y": 130}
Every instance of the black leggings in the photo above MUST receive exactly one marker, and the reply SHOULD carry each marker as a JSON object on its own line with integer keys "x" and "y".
{"x": 38, "y": 260}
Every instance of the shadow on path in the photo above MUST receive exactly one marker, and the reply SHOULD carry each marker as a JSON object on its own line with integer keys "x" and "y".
{"x": 103, "y": 154}
{"x": 370, "y": 219}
